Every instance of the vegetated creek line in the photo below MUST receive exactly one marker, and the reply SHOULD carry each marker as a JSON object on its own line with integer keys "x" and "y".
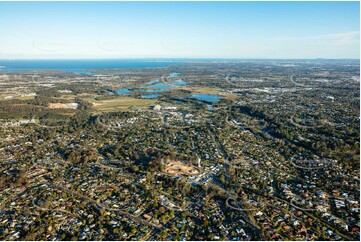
{"x": 226, "y": 157}
{"x": 221, "y": 148}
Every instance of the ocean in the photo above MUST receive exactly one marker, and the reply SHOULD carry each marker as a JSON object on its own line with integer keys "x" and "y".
{"x": 83, "y": 66}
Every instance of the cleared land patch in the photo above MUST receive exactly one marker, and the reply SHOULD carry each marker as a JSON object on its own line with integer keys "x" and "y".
{"x": 63, "y": 105}
{"x": 205, "y": 90}
{"x": 122, "y": 103}
{"x": 178, "y": 168}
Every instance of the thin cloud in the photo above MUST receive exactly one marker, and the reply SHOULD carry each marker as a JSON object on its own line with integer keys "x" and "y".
{"x": 338, "y": 38}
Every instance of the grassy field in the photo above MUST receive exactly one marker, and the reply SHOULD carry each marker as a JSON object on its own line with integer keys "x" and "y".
{"x": 25, "y": 98}
{"x": 203, "y": 90}
{"x": 230, "y": 96}
{"x": 121, "y": 103}
{"x": 213, "y": 91}
{"x": 68, "y": 96}
{"x": 2, "y": 97}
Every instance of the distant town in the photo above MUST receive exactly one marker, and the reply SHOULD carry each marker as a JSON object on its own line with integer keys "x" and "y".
{"x": 231, "y": 150}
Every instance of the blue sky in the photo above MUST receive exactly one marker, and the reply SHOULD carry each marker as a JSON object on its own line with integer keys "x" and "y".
{"x": 179, "y": 29}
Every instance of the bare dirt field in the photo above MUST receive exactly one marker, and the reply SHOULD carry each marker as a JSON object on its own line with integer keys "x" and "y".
{"x": 63, "y": 105}
{"x": 178, "y": 168}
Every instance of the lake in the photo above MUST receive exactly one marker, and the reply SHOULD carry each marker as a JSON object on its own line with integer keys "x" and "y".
{"x": 150, "y": 90}
{"x": 179, "y": 82}
{"x": 206, "y": 97}
{"x": 159, "y": 86}
{"x": 123, "y": 91}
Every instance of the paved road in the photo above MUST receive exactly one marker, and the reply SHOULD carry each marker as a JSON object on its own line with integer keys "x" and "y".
{"x": 238, "y": 208}
{"x": 345, "y": 237}
{"x": 53, "y": 210}
{"x": 246, "y": 218}
{"x": 297, "y": 84}
{"x": 132, "y": 217}
{"x": 303, "y": 209}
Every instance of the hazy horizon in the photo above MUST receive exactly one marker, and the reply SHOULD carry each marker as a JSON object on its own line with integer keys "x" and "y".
{"x": 174, "y": 58}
